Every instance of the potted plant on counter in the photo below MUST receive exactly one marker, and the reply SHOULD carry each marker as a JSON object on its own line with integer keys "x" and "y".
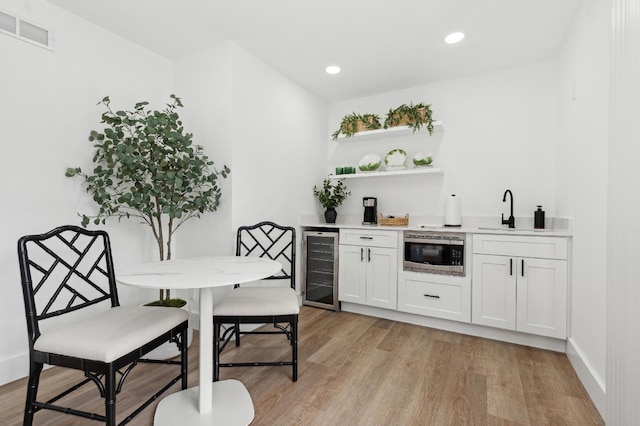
{"x": 354, "y": 123}
{"x": 414, "y": 116}
{"x": 331, "y": 195}
{"x": 146, "y": 167}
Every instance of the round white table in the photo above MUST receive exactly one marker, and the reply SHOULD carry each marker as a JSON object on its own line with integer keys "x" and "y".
{"x": 224, "y": 402}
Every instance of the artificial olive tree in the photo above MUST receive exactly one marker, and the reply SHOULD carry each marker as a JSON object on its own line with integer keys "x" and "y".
{"x": 147, "y": 167}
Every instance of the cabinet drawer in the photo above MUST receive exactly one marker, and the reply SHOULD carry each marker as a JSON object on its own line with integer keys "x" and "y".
{"x": 440, "y": 300}
{"x": 368, "y": 238}
{"x": 520, "y": 246}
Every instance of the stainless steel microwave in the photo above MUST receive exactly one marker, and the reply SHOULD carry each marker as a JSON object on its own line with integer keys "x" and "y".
{"x": 434, "y": 252}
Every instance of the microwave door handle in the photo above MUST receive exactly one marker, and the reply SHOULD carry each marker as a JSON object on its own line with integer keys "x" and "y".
{"x": 425, "y": 241}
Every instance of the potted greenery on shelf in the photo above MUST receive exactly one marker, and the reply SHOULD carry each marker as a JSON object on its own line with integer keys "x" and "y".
{"x": 414, "y": 116}
{"x": 331, "y": 195}
{"x": 146, "y": 167}
{"x": 354, "y": 123}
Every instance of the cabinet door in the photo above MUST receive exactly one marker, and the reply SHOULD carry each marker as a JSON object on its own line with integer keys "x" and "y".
{"x": 494, "y": 291}
{"x": 382, "y": 277}
{"x": 542, "y": 297}
{"x": 352, "y": 274}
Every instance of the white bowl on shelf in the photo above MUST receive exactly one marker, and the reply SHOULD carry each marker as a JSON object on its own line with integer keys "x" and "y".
{"x": 369, "y": 163}
{"x": 423, "y": 160}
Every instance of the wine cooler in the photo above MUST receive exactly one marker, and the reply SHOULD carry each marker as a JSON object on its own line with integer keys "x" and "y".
{"x": 320, "y": 269}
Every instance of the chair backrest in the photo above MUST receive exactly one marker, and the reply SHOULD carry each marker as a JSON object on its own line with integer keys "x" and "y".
{"x": 66, "y": 269}
{"x": 273, "y": 241}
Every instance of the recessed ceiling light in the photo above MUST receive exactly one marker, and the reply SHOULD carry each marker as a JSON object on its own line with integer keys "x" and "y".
{"x": 332, "y": 69}
{"x": 454, "y": 38}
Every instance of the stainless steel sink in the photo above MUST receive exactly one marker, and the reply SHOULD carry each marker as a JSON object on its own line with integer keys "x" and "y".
{"x": 481, "y": 228}
{"x": 495, "y": 229}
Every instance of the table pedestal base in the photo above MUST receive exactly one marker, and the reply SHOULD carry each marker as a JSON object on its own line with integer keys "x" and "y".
{"x": 231, "y": 405}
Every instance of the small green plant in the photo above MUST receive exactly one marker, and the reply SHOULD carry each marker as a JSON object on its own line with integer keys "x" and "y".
{"x": 146, "y": 167}
{"x": 414, "y": 116}
{"x": 354, "y": 123}
{"x": 332, "y": 194}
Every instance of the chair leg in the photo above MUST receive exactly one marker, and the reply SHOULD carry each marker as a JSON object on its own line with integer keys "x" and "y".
{"x": 183, "y": 357}
{"x": 294, "y": 348}
{"x": 110, "y": 396}
{"x": 32, "y": 392}
{"x": 216, "y": 351}
{"x": 237, "y": 331}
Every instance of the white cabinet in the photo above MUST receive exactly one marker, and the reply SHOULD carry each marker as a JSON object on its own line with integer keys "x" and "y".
{"x": 434, "y": 295}
{"x": 368, "y": 267}
{"x": 520, "y": 283}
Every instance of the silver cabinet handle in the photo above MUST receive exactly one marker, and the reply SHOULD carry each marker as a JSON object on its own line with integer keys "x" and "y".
{"x": 368, "y": 255}
{"x": 361, "y": 254}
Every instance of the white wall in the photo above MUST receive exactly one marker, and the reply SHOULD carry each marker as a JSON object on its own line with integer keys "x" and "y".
{"x": 48, "y": 107}
{"x": 623, "y": 230}
{"x": 264, "y": 127}
{"x": 582, "y": 186}
{"x": 204, "y": 81}
{"x": 500, "y": 131}
{"x": 279, "y": 150}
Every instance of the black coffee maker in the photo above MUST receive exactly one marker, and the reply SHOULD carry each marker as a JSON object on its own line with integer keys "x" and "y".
{"x": 370, "y": 211}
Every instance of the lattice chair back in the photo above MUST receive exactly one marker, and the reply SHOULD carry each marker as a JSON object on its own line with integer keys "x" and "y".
{"x": 64, "y": 270}
{"x": 272, "y": 241}
{"x": 74, "y": 320}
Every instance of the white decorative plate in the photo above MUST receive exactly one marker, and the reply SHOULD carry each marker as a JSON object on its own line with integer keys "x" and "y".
{"x": 395, "y": 158}
{"x": 369, "y": 163}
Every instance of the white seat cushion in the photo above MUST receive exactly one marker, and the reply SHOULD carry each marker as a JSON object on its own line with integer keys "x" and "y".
{"x": 258, "y": 301}
{"x": 111, "y": 334}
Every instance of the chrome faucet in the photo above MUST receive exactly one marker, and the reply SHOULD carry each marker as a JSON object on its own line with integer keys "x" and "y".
{"x": 511, "y": 221}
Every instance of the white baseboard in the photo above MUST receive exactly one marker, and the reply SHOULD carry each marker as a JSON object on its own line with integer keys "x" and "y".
{"x": 549, "y": 343}
{"x": 14, "y": 368}
{"x": 594, "y": 384}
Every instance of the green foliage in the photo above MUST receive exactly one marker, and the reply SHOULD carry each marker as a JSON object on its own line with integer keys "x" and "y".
{"x": 353, "y": 123}
{"x": 414, "y": 116}
{"x": 332, "y": 193}
{"x": 147, "y": 167}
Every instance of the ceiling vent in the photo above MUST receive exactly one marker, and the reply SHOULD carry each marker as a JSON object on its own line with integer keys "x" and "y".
{"x": 26, "y": 31}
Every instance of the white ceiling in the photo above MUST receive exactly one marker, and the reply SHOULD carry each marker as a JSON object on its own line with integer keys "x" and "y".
{"x": 381, "y": 45}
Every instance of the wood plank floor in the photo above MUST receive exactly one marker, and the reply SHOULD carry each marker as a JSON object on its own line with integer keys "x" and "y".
{"x": 360, "y": 370}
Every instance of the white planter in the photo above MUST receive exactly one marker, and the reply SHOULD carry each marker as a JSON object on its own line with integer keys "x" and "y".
{"x": 170, "y": 350}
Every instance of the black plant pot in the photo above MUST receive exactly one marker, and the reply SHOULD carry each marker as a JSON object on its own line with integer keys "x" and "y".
{"x": 330, "y": 215}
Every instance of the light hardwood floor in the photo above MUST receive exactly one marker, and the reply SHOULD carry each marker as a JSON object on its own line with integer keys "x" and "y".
{"x": 359, "y": 370}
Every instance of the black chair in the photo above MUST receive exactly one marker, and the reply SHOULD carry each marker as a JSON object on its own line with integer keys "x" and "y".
{"x": 66, "y": 274}
{"x": 261, "y": 304}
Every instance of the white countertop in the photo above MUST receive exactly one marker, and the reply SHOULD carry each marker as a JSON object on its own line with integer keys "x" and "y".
{"x": 554, "y": 227}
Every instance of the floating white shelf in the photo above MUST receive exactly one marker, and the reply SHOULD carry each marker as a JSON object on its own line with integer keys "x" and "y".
{"x": 416, "y": 171}
{"x": 385, "y": 133}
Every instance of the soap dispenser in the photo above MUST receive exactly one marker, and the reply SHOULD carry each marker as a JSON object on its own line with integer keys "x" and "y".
{"x": 538, "y": 218}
